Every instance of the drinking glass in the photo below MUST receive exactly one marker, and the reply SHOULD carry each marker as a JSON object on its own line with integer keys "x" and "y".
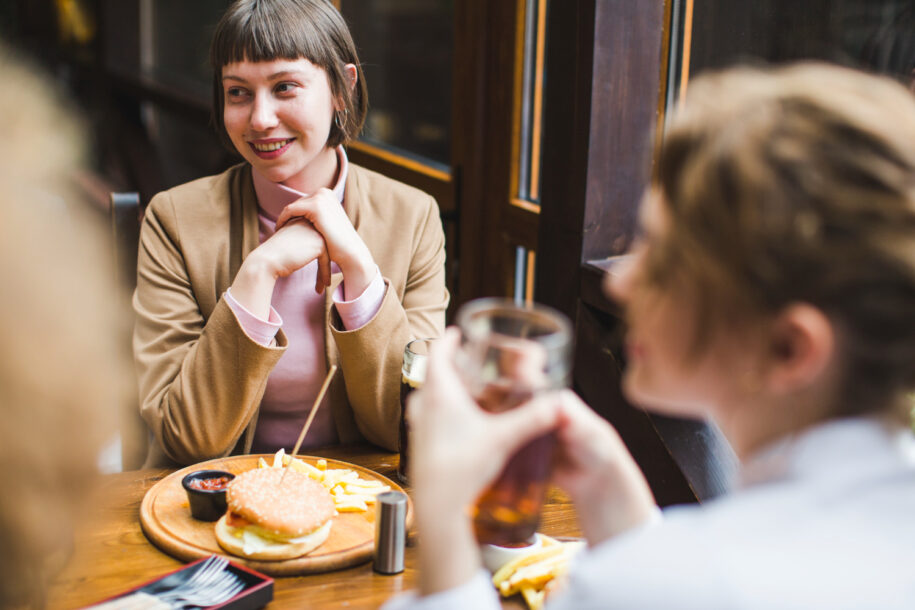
{"x": 508, "y": 354}
{"x": 412, "y": 375}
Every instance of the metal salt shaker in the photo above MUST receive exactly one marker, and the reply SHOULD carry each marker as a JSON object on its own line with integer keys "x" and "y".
{"x": 390, "y": 531}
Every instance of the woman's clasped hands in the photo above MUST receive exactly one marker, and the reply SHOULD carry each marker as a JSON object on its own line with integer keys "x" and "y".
{"x": 295, "y": 245}
{"x": 292, "y": 247}
{"x": 345, "y": 247}
{"x": 311, "y": 228}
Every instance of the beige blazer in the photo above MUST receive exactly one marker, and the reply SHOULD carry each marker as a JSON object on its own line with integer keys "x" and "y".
{"x": 201, "y": 378}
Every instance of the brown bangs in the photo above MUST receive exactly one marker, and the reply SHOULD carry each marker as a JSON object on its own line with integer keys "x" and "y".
{"x": 265, "y": 31}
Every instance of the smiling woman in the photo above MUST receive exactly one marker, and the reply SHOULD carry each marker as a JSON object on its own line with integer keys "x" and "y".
{"x": 278, "y": 115}
{"x": 252, "y": 283}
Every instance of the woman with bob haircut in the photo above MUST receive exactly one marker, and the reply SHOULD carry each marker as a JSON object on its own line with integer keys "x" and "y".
{"x": 772, "y": 289}
{"x": 252, "y": 283}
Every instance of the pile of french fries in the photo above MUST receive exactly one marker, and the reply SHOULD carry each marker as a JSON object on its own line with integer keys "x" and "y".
{"x": 537, "y": 573}
{"x": 351, "y": 494}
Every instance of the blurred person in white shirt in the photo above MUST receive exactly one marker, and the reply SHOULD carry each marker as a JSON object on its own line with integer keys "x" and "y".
{"x": 772, "y": 290}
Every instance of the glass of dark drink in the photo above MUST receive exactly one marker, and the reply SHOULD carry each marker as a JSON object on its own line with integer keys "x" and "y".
{"x": 412, "y": 375}
{"x": 510, "y": 352}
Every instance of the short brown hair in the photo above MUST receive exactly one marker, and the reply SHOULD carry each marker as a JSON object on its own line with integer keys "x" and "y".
{"x": 265, "y": 30}
{"x": 797, "y": 184}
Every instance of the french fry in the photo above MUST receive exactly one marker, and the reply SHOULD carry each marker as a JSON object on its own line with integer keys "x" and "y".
{"x": 336, "y": 476}
{"x": 359, "y": 490}
{"x": 368, "y": 499}
{"x": 535, "y": 575}
{"x": 306, "y": 468}
{"x": 262, "y": 463}
{"x": 532, "y": 574}
{"x": 533, "y": 597}
{"x": 278, "y": 458}
{"x": 369, "y": 485}
{"x": 351, "y": 505}
{"x": 505, "y": 572}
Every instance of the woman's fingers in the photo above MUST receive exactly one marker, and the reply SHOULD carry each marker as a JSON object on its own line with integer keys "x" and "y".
{"x": 514, "y": 428}
{"x": 300, "y": 208}
{"x": 294, "y": 246}
{"x": 344, "y": 245}
{"x": 454, "y": 439}
{"x": 441, "y": 358}
{"x": 324, "y": 272}
{"x": 322, "y": 277}
{"x": 310, "y": 208}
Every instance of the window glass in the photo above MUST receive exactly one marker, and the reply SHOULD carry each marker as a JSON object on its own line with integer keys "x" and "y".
{"x": 877, "y": 35}
{"x": 180, "y": 42}
{"x": 534, "y": 79}
{"x": 406, "y": 48}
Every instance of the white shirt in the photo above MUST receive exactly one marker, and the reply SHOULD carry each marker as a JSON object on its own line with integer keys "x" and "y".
{"x": 825, "y": 519}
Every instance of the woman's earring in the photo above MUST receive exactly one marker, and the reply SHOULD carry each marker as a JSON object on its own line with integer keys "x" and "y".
{"x": 341, "y": 123}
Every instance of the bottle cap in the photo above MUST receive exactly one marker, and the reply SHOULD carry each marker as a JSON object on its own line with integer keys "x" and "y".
{"x": 390, "y": 531}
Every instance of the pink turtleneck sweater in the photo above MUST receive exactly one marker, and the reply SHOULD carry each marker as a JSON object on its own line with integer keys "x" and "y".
{"x": 294, "y": 383}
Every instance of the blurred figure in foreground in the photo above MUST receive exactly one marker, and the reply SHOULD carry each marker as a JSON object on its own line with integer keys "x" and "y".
{"x": 58, "y": 357}
{"x": 773, "y": 290}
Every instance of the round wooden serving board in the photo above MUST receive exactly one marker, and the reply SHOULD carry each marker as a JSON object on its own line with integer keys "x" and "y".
{"x": 167, "y": 522}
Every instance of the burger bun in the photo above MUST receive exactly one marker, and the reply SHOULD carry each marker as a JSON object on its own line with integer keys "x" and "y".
{"x": 228, "y": 540}
{"x": 275, "y": 514}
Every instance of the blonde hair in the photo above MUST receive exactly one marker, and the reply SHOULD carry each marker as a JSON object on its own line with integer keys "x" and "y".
{"x": 797, "y": 184}
{"x": 59, "y": 364}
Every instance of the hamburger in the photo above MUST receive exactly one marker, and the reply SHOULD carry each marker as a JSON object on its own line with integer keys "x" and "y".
{"x": 274, "y": 520}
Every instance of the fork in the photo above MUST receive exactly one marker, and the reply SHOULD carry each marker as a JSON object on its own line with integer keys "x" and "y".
{"x": 211, "y": 584}
{"x": 211, "y": 597}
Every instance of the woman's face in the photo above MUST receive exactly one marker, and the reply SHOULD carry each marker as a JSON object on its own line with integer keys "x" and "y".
{"x": 278, "y": 115}
{"x": 662, "y": 372}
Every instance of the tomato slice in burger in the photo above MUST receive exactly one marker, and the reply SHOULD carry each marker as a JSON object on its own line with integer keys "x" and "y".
{"x": 234, "y": 520}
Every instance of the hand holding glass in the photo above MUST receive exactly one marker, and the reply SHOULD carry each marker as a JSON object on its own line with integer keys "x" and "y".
{"x": 508, "y": 354}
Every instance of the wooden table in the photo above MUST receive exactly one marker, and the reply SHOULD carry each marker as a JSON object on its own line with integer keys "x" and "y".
{"x": 111, "y": 554}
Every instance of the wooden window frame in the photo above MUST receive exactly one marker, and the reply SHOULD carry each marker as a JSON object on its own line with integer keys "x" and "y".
{"x": 493, "y": 219}
{"x": 607, "y": 62}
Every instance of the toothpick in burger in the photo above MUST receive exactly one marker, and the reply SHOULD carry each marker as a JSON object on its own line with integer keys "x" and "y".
{"x": 274, "y": 518}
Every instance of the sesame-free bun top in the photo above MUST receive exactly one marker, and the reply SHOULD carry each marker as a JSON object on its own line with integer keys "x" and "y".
{"x": 294, "y": 508}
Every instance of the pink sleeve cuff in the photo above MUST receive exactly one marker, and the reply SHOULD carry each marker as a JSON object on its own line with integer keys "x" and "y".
{"x": 357, "y": 313}
{"x": 258, "y": 330}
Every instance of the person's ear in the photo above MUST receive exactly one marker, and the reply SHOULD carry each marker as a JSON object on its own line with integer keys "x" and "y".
{"x": 352, "y": 75}
{"x": 802, "y": 344}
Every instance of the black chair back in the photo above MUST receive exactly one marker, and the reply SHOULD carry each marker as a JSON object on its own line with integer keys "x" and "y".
{"x": 125, "y": 232}
{"x": 126, "y": 214}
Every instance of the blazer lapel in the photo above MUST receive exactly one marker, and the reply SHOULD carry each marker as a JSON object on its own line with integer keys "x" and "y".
{"x": 343, "y": 418}
{"x": 244, "y": 237}
{"x": 244, "y": 233}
